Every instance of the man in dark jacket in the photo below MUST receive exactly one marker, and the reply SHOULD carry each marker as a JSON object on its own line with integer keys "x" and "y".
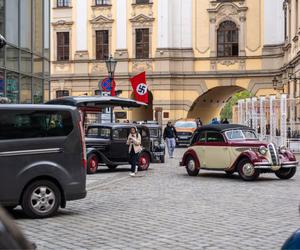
{"x": 170, "y": 138}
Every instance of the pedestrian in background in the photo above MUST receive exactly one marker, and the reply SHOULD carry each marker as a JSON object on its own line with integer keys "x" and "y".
{"x": 225, "y": 121}
{"x": 170, "y": 138}
{"x": 214, "y": 121}
{"x": 134, "y": 141}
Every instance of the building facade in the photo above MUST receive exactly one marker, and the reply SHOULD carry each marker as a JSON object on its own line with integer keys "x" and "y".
{"x": 196, "y": 53}
{"x": 25, "y": 61}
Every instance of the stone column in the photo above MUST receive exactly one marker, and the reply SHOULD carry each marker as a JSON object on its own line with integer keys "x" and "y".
{"x": 213, "y": 36}
{"x": 81, "y": 25}
{"x": 242, "y": 51}
{"x": 121, "y": 21}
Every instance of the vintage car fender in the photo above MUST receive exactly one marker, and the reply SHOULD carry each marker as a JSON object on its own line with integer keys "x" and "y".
{"x": 190, "y": 152}
{"x": 251, "y": 155}
{"x": 99, "y": 154}
{"x": 149, "y": 153}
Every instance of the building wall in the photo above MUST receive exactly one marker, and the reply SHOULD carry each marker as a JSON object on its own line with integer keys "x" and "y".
{"x": 183, "y": 64}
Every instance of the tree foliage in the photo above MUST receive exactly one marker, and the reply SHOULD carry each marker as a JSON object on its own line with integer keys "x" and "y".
{"x": 227, "y": 110}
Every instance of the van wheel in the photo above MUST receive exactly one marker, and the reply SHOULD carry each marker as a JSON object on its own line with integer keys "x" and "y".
{"x": 143, "y": 161}
{"x": 41, "y": 199}
{"x": 247, "y": 171}
{"x": 92, "y": 164}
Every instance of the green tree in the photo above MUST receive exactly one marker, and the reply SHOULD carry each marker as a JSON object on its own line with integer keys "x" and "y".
{"x": 227, "y": 110}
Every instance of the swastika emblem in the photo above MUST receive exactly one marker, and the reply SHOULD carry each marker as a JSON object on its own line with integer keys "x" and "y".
{"x": 142, "y": 89}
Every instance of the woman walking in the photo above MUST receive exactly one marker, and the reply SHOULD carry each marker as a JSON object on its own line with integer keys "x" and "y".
{"x": 134, "y": 141}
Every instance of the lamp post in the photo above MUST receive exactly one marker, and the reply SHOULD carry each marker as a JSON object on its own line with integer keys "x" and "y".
{"x": 111, "y": 64}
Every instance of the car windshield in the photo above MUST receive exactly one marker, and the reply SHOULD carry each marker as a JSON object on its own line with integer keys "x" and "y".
{"x": 96, "y": 132}
{"x": 241, "y": 135}
{"x": 183, "y": 124}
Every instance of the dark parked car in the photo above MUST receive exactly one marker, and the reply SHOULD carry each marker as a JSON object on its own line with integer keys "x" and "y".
{"x": 106, "y": 144}
{"x": 42, "y": 158}
{"x": 157, "y": 142}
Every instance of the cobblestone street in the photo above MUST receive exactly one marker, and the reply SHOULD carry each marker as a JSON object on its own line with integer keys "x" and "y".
{"x": 166, "y": 209}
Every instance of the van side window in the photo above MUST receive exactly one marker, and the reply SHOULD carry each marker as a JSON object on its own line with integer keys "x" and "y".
{"x": 34, "y": 124}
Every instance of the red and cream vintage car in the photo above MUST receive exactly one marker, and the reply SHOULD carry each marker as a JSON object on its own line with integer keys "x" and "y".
{"x": 236, "y": 148}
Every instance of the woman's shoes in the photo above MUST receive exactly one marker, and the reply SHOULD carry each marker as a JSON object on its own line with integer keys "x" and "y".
{"x": 132, "y": 174}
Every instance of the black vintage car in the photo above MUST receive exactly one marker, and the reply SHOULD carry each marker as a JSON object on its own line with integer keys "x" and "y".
{"x": 106, "y": 144}
{"x": 157, "y": 142}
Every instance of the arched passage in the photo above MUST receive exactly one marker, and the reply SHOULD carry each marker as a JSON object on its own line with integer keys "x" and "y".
{"x": 143, "y": 113}
{"x": 210, "y": 104}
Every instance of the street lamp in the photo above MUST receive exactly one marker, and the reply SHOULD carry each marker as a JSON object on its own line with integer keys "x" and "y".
{"x": 276, "y": 84}
{"x": 111, "y": 65}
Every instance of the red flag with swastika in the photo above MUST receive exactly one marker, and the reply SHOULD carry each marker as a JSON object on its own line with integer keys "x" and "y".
{"x": 140, "y": 87}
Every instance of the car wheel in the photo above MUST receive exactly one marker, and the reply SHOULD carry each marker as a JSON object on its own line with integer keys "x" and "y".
{"x": 143, "y": 161}
{"x": 162, "y": 159}
{"x": 247, "y": 171}
{"x": 92, "y": 165}
{"x": 41, "y": 199}
{"x": 191, "y": 167}
{"x": 112, "y": 167}
{"x": 286, "y": 173}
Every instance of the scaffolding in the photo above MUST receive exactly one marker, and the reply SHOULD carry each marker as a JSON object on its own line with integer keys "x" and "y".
{"x": 274, "y": 118}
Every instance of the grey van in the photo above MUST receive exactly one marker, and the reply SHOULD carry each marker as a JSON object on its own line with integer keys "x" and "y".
{"x": 42, "y": 158}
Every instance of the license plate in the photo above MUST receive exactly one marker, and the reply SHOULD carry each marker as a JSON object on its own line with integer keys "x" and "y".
{"x": 184, "y": 137}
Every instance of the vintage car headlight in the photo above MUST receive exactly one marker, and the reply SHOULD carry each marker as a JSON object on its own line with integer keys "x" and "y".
{"x": 156, "y": 144}
{"x": 262, "y": 150}
{"x": 282, "y": 149}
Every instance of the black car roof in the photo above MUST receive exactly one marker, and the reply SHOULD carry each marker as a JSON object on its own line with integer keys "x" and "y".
{"x": 117, "y": 125}
{"x": 34, "y": 107}
{"x": 96, "y": 101}
{"x": 223, "y": 127}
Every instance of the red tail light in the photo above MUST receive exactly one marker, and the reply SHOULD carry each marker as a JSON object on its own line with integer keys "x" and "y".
{"x": 82, "y": 140}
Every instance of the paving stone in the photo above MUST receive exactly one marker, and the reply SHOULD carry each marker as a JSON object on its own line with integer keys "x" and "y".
{"x": 166, "y": 209}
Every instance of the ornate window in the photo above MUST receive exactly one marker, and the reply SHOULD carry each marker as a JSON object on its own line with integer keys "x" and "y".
{"x": 62, "y": 93}
{"x": 101, "y": 2}
{"x": 102, "y": 44}
{"x": 142, "y": 43}
{"x": 142, "y": 1}
{"x": 228, "y": 41}
{"x": 63, "y": 46}
{"x": 63, "y": 3}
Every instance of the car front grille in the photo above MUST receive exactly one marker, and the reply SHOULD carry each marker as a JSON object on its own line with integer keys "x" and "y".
{"x": 274, "y": 154}
{"x": 184, "y": 134}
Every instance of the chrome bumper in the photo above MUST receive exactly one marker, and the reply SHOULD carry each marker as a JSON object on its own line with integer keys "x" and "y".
{"x": 265, "y": 165}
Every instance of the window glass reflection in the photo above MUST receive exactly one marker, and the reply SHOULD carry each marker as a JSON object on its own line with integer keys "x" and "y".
{"x": 37, "y": 91}
{"x": 46, "y": 29}
{"x": 38, "y": 66}
{"x": 2, "y": 83}
{"x": 12, "y": 58}
{"x": 12, "y": 21}
{"x": 12, "y": 86}
{"x": 38, "y": 26}
{"x": 25, "y": 89}
{"x": 25, "y": 29}
{"x": 26, "y": 62}
{"x": 46, "y": 91}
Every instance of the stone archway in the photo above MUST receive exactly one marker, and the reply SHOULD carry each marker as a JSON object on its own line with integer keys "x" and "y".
{"x": 211, "y": 103}
{"x": 143, "y": 113}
